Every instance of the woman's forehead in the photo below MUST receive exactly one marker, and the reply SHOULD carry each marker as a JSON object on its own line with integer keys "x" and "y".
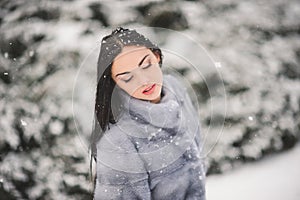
{"x": 131, "y": 54}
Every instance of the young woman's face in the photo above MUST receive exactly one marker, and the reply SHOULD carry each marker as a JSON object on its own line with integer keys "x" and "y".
{"x": 136, "y": 70}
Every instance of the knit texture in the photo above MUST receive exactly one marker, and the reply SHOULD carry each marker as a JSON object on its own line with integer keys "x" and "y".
{"x": 153, "y": 151}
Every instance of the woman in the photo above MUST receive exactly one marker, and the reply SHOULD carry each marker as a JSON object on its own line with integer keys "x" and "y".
{"x": 146, "y": 138}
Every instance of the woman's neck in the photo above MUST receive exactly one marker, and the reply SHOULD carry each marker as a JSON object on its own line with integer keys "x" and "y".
{"x": 157, "y": 100}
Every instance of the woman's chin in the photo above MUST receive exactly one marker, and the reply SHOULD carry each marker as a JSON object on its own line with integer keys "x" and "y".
{"x": 155, "y": 98}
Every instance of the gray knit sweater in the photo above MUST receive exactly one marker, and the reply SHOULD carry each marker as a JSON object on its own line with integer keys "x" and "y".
{"x": 153, "y": 151}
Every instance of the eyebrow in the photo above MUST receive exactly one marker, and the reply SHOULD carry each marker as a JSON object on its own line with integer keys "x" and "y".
{"x": 140, "y": 63}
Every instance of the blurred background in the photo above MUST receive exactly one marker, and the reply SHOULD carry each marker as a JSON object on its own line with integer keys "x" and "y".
{"x": 48, "y": 56}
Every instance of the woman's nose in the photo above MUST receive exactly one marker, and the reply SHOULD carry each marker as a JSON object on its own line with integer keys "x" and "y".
{"x": 142, "y": 79}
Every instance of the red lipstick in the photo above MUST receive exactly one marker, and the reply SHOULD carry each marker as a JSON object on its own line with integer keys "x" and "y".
{"x": 149, "y": 90}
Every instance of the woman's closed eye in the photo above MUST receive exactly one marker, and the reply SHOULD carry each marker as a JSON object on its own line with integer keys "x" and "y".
{"x": 147, "y": 66}
{"x": 126, "y": 80}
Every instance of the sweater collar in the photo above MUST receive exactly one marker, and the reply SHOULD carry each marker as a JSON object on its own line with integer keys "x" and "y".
{"x": 164, "y": 114}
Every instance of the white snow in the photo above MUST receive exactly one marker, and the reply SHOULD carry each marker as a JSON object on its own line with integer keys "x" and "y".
{"x": 276, "y": 177}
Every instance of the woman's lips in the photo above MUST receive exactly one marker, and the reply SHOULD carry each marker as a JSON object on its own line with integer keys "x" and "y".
{"x": 149, "y": 90}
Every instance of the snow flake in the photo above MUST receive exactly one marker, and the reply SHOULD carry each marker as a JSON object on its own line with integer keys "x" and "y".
{"x": 137, "y": 143}
{"x": 23, "y": 122}
{"x": 250, "y": 118}
{"x": 5, "y": 73}
{"x": 153, "y": 134}
{"x": 6, "y": 55}
{"x": 218, "y": 65}
{"x": 31, "y": 53}
{"x": 119, "y": 191}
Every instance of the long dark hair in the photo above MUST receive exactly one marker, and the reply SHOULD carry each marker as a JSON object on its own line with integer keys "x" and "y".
{"x": 111, "y": 46}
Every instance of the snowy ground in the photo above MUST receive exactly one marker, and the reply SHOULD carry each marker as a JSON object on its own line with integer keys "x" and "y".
{"x": 276, "y": 178}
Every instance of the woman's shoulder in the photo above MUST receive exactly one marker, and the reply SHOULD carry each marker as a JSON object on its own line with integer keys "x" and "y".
{"x": 115, "y": 149}
{"x": 177, "y": 85}
{"x": 170, "y": 77}
{"x": 114, "y": 139}
{"x": 175, "y": 81}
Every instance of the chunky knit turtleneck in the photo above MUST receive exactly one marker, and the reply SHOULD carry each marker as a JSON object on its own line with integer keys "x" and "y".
{"x": 160, "y": 132}
{"x": 165, "y": 114}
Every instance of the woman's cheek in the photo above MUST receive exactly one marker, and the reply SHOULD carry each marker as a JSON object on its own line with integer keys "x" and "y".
{"x": 157, "y": 76}
{"x": 134, "y": 90}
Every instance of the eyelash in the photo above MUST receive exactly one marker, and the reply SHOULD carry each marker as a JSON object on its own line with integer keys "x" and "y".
{"x": 126, "y": 81}
{"x": 147, "y": 66}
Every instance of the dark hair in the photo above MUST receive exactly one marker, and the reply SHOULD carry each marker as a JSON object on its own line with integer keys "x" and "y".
{"x": 111, "y": 46}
